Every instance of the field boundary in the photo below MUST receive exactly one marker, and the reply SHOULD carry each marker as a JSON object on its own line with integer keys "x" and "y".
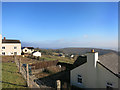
{"x": 25, "y": 73}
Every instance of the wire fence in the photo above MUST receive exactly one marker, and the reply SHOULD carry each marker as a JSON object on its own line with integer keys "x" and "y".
{"x": 25, "y": 73}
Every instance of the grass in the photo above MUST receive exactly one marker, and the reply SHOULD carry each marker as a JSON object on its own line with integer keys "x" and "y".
{"x": 11, "y": 77}
{"x": 48, "y": 58}
{"x": 61, "y": 59}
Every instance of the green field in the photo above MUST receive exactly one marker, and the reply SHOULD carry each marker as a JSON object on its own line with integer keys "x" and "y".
{"x": 11, "y": 77}
{"x": 60, "y": 59}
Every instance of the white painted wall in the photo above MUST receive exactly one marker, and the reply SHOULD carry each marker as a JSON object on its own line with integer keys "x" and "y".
{"x": 72, "y": 56}
{"x": 9, "y": 48}
{"x": 105, "y": 76}
{"x": 37, "y": 54}
{"x": 81, "y": 70}
{"x": 93, "y": 74}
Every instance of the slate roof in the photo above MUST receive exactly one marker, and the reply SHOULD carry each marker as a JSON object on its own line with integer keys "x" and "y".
{"x": 80, "y": 60}
{"x": 10, "y": 41}
{"x": 108, "y": 61}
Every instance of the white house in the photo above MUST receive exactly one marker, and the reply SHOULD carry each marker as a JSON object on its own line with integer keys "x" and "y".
{"x": 10, "y": 47}
{"x": 92, "y": 71}
{"x": 36, "y": 53}
{"x": 28, "y": 50}
{"x": 72, "y": 56}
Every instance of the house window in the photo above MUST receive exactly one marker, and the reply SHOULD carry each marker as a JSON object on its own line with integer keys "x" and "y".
{"x": 109, "y": 86}
{"x": 79, "y": 79}
{"x": 3, "y": 47}
{"x": 15, "y": 53}
{"x": 3, "y": 53}
{"x": 15, "y": 47}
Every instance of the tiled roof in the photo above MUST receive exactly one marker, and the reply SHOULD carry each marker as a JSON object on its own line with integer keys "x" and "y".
{"x": 10, "y": 41}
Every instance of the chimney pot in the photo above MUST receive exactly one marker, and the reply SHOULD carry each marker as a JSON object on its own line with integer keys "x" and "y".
{"x": 4, "y": 38}
{"x": 92, "y": 50}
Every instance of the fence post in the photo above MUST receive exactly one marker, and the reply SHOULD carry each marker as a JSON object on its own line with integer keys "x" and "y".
{"x": 15, "y": 58}
{"x": 58, "y": 84}
{"x": 20, "y": 65}
{"x": 27, "y": 68}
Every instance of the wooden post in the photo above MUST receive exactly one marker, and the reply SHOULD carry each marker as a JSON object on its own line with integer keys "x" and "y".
{"x": 27, "y": 68}
{"x": 15, "y": 58}
{"x": 58, "y": 84}
{"x": 20, "y": 65}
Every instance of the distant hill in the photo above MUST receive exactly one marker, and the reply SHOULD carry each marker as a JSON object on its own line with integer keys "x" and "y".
{"x": 81, "y": 51}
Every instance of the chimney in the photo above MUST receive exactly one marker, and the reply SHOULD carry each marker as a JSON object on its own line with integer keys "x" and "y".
{"x": 4, "y": 38}
{"x": 92, "y": 58}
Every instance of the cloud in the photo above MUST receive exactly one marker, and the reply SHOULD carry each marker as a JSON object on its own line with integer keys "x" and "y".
{"x": 85, "y": 36}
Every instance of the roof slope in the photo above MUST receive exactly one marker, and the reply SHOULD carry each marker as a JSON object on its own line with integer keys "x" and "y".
{"x": 110, "y": 61}
{"x": 10, "y": 41}
{"x": 80, "y": 60}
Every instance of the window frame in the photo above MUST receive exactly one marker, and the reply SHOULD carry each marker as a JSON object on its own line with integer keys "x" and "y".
{"x": 79, "y": 79}
{"x": 109, "y": 86}
{"x": 15, "y": 47}
{"x": 26, "y": 50}
{"x": 15, "y": 52}
{"x": 3, "y": 47}
{"x": 3, "y": 52}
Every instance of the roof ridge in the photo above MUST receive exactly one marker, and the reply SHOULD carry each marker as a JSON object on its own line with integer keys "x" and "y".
{"x": 10, "y": 39}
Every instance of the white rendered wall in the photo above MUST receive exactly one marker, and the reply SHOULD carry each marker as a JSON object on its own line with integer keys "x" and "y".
{"x": 9, "y": 48}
